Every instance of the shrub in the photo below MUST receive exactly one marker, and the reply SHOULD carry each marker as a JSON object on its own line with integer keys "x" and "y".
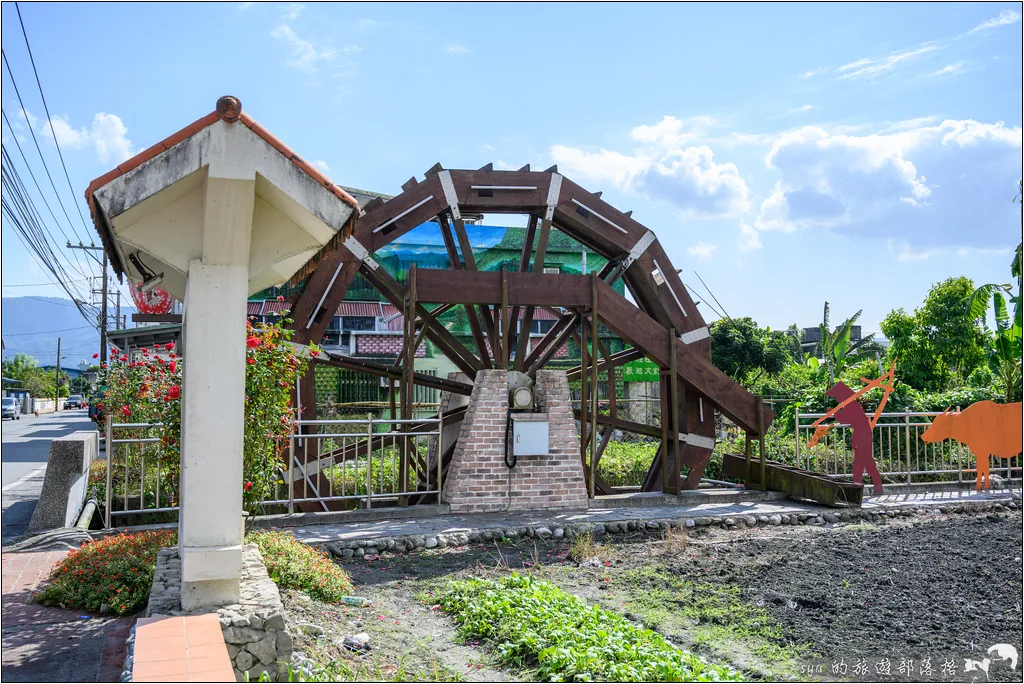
{"x": 115, "y": 571}
{"x": 534, "y": 623}
{"x": 625, "y": 464}
{"x": 294, "y": 565}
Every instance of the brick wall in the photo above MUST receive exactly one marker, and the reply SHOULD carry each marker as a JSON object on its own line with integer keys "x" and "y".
{"x": 478, "y": 479}
{"x": 381, "y": 344}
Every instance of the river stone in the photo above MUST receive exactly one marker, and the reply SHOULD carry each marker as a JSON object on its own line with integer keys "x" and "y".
{"x": 264, "y": 650}
{"x": 729, "y": 522}
{"x": 544, "y": 532}
{"x": 274, "y": 622}
{"x": 830, "y": 518}
{"x": 598, "y": 530}
{"x": 690, "y": 524}
{"x": 762, "y": 520}
{"x": 774, "y": 519}
{"x": 558, "y": 533}
{"x": 430, "y": 542}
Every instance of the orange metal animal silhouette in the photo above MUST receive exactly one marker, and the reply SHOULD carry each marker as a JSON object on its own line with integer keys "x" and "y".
{"x": 987, "y": 428}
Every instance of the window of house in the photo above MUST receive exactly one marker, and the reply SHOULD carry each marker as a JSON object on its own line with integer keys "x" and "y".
{"x": 358, "y": 323}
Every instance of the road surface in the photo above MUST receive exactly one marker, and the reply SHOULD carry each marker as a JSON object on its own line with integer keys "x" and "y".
{"x": 26, "y": 446}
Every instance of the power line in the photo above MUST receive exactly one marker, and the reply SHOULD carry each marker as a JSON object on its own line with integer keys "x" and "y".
{"x": 48, "y": 332}
{"x": 42, "y": 284}
{"x": 49, "y": 119}
{"x": 35, "y": 140}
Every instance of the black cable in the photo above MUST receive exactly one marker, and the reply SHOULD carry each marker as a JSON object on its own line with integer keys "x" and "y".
{"x": 49, "y": 119}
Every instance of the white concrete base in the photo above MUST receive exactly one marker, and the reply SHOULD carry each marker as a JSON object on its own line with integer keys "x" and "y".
{"x": 210, "y": 593}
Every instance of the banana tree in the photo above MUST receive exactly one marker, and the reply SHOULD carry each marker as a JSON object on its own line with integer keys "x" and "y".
{"x": 835, "y": 348}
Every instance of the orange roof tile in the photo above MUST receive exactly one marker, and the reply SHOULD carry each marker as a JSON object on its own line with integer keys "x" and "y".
{"x": 230, "y": 110}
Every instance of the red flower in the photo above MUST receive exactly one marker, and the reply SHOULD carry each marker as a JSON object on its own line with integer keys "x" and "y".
{"x": 125, "y": 411}
{"x": 144, "y": 350}
{"x": 95, "y": 356}
{"x": 173, "y": 367}
{"x": 247, "y": 486}
{"x": 115, "y": 350}
{"x": 251, "y": 362}
{"x": 169, "y": 346}
{"x": 174, "y": 391}
{"x": 124, "y": 358}
{"x": 252, "y": 342}
{"x": 280, "y": 298}
{"x": 103, "y": 365}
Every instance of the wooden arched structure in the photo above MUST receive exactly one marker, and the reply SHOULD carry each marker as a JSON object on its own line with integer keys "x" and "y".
{"x": 663, "y": 324}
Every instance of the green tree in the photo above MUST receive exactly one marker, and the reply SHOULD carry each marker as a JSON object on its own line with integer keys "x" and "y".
{"x": 744, "y": 351}
{"x": 952, "y": 331}
{"x": 19, "y": 366}
{"x": 918, "y": 365}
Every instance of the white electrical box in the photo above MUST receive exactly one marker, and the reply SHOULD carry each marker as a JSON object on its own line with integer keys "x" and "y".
{"x": 530, "y": 434}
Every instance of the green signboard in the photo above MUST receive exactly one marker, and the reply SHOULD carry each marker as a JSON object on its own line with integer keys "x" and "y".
{"x": 641, "y": 370}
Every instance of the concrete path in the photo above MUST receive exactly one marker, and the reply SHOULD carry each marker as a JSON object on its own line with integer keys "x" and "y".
{"x": 26, "y": 447}
{"x": 446, "y": 524}
{"x": 42, "y": 644}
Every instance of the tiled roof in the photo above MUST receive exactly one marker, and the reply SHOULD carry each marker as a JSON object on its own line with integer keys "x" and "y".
{"x": 230, "y": 110}
{"x": 273, "y": 307}
{"x": 254, "y": 309}
{"x": 365, "y": 309}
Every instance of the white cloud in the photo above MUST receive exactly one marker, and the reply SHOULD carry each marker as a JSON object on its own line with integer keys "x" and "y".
{"x": 750, "y": 238}
{"x": 294, "y": 10}
{"x": 1005, "y": 17}
{"x": 702, "y": 250}
{"x": 305, "y": 54}
{"x": 322, "y": 165}
{"x": 871, "y": 68}
{"x": 950, "y": 69}
{"x": 502, "y": 165}
{"x": 456, "y": 49}
{"x": 666, "y": 168}
{"x": 928, "y": 185}
{"x": 367, "y": 24}
{"x": 802, "y": 108}
{"x": 812, "y": 73}
{"x": 245, "y": 5}
{"x": 107, "y": 136}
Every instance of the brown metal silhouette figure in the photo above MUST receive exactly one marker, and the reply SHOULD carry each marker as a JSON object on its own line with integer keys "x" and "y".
{"x": 862, "y": 439}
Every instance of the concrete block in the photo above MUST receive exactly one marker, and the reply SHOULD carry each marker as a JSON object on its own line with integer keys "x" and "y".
{"x": 65, "y": 485}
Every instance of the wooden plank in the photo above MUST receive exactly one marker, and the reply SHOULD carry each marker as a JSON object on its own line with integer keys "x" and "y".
{"x": 156, "y": 318}
{"x": 626, "y": 425}
{"x": 484, "y": 287}
{"x": 550, "y": 343}
{"x": 595, "y": 343}
{"x": 796, "y": 482}
{"x": 610, "y": 362}
{"x": 383, "y": 371}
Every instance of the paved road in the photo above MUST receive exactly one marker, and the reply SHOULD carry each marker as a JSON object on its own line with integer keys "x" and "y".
{"x": 26, "y": 446}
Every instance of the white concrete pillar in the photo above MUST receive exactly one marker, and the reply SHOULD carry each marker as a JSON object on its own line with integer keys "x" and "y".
{"x": 213, "y": 396}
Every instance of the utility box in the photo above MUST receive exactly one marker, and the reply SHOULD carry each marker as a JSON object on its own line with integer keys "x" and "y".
{"x": 530, "y": 434}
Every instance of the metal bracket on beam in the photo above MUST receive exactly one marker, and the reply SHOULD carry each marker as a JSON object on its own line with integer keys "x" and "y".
{"x": 553, "y": 191}
{"x": 608, "y": 221}
{"x": 668, "y": 284}
{"x": 448, "y": 187}
{"x": 360, "y": 253}
{"x": 699, "y": 441}
{"x": 695, "y": 335}
{"x": 639, "y": 248}
{"x": 404, "y": 213}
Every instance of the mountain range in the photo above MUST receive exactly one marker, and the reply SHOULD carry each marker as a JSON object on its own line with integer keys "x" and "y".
{"x": 31, "y": 325}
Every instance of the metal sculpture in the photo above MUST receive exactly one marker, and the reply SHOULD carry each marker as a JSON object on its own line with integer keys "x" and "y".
{"x": 849, "y": 412}
{"x": 986, "y": 428}
{"x": 150, "y": 301}
{"x": 663, "y": 324}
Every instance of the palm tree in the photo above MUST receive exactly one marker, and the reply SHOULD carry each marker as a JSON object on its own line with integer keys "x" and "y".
{"x": 836, "y": 350}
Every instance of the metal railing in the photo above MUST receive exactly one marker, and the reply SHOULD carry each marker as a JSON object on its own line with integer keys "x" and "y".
{"x": 900, "y": 453}
{"x": 139, "y": 476}
{"x": 361, "y": 461}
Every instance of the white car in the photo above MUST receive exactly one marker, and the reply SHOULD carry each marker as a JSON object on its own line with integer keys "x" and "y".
{"x": 11, "y": 408}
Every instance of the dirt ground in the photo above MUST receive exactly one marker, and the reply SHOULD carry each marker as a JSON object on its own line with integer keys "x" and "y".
{"x": 905, "y": 601}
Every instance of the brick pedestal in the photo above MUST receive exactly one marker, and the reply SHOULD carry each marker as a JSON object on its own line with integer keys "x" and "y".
{"x": 478, "y": 479}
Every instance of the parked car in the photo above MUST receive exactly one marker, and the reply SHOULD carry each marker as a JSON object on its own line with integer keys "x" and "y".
{"x": 11, "y": 408}
{"x": 74, "y": 401}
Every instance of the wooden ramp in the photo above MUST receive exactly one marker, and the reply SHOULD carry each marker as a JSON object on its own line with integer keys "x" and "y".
{"x": 795, "y": 482}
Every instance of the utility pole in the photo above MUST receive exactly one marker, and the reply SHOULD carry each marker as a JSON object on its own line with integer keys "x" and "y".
{"x": 103, "y": 302}
{"x": 117, "y": 316}
{"x": 56, "y": 379}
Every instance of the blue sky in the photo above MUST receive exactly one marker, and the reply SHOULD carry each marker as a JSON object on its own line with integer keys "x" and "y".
{"x": 788, "y": 153}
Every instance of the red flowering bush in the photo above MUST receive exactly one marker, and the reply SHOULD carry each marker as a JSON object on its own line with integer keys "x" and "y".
{"x": 272, "y": 367}
{"x": 294, "y": 565}
{"x": 114, "y": 572}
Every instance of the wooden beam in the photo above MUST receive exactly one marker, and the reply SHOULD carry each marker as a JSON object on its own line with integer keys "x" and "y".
{"x": 538, "y": 267}
{"x": 380, "y": 370}
{"x": 595, "y": 343}
{"x": 471, "y": 313}
{"x": 626, "y": 425}
{"x": 610, "y": 362}
{"x": 484, "y": 287}
{"x": 549, "y": 344}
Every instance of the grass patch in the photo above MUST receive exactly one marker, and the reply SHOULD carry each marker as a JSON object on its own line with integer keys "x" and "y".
{"x": 345, "y": 671}
{"x": 532, "y": 623}
{"x": 294, "y": 565}
{"x": 116, "y": 572}
{"x": 716, "y": 616}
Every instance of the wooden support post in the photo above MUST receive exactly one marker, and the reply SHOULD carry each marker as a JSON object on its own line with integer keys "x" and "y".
{"x": 674, "y": 407}
{"x": 583, "y": 394}
{"x": 760, "y": 433}
{"x": 471, "y": 311}
{"x": 746, "y": 456}
{"x": 407, "y": 381}
{"x": 663, "y": 392}
{"x": 504, "y": 324}
{"x": 593, "y": 383}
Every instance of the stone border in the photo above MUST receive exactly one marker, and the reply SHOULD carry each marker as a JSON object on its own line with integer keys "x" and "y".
{"x": 370, "y": 549}
{"x": 254, "y": 629}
